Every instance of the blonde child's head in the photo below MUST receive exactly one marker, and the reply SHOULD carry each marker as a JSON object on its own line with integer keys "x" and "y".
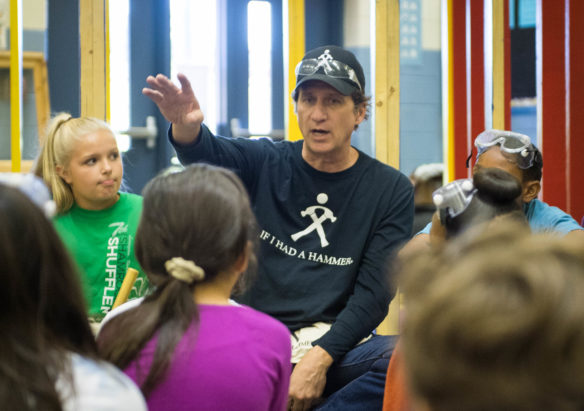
{"x": 494, "y": 322}
{"x": 66, "y": 139}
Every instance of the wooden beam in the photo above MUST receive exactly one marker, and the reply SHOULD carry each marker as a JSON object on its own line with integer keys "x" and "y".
{"x": 387, "y": 96}
{"x": 387, "y": 89}
{"x": 500, "y": 71}
{"x": 35, "y": 61}
{"x": 25, "y": 166}
{"x": 92, "y": 30}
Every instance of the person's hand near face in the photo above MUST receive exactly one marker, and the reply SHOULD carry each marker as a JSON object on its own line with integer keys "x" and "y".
{"x": 437, "y": 231}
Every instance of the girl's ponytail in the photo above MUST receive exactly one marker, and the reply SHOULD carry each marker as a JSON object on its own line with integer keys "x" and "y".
{"x": 46, "y": 165}
{"x": 168, "y": 311}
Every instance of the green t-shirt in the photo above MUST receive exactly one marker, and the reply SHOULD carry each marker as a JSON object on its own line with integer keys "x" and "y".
{"x": 102, "y": 244}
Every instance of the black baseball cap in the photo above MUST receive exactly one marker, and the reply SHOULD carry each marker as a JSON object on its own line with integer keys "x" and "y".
{"x": 346, "y": 85}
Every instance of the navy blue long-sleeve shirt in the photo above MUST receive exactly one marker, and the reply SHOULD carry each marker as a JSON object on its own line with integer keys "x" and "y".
{"x": 325, "y": 238}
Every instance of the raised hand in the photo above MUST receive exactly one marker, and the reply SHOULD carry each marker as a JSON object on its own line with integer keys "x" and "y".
{"x": 177, "y": 105}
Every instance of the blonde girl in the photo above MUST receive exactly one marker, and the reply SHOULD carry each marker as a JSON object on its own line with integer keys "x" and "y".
{"x": 81, "y": 164}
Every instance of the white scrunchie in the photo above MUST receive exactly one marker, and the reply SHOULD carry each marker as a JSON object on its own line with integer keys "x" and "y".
{"x": 184, "y": 270}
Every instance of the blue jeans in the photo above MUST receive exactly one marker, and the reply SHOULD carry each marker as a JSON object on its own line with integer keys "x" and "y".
{"x": 357, "y": 380}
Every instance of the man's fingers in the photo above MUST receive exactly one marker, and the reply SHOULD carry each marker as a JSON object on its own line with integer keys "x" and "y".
{"x": 151, "y": 80}
{"x": 162, "y": 84}
{"x": 303, "y": 405}
{"x": 153, "y": 95}
{"x": 185, "y": 84}
{"x": 297, "y": 404}
{"x": 154, "y": 82}
{"x": 165, "y": 85}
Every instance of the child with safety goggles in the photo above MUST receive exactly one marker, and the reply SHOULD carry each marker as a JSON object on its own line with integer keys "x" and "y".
{"x": 465, "y": 203}
{"x": 515, "y": 154}
{"x": 516, "y": 147}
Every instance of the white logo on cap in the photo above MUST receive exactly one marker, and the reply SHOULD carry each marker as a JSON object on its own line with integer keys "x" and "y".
{"x": 325, "y": 57}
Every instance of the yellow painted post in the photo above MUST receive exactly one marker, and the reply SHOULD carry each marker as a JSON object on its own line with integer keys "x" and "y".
{"x": 294, "y": 44}
{"x": 448, "y": 135}
{"x": 499, "y": 64}
{"x": 92, "y": 29}
{"x": 15, "y": 83}
{"x": 387, "y": 95}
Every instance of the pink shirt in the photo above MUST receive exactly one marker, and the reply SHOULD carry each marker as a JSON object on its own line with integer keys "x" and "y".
{"x": 238, "y": 360}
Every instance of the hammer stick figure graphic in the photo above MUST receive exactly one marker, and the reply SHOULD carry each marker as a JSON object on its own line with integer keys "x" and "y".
{"x": 317, "y": 221}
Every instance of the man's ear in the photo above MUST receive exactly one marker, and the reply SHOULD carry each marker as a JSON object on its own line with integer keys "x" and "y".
{"x": 531, "y": 190}
{"x": 63, "y": 173}
{"x": 360, "y": 112}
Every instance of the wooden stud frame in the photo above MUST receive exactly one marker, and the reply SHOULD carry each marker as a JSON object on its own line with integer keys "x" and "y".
{"x": 93, "y": 38}
{"x": 387, "y": 91}
{"x": 387, "y": 96}
{"x": 34, "y": 61}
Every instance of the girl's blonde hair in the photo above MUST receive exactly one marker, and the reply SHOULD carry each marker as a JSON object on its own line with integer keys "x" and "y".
{"x": 63, "y": 132}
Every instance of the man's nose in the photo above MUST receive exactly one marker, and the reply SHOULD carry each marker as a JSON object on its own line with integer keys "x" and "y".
{"x": 319, "y": 112}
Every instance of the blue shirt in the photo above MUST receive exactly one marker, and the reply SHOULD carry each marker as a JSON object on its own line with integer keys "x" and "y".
{"x": 542, "y": 217}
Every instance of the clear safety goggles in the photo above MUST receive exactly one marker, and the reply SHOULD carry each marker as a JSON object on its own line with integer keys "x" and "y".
{"x": 330, "y": 67}
{"x": 515, "y": 146}
{"x": 453, "y": 198}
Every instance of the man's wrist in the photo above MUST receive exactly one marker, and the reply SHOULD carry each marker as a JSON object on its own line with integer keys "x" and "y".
{"x": 323, "y": 357}
{"x": 185, "y": 134}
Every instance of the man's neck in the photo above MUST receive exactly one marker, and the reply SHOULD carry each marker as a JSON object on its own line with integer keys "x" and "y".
{"x": 332, "y": 162}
